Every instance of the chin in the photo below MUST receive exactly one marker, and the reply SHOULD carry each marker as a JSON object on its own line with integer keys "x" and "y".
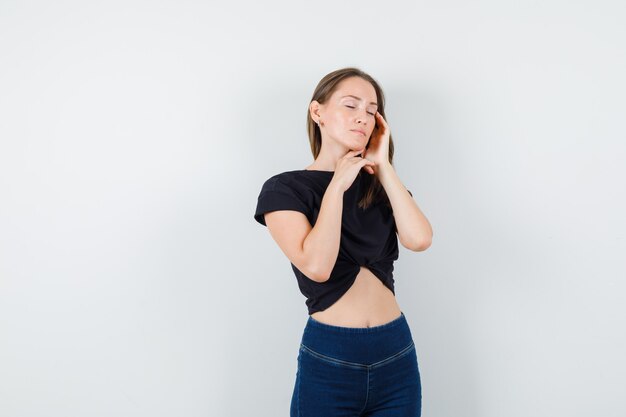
{"x": 355, "y": 143}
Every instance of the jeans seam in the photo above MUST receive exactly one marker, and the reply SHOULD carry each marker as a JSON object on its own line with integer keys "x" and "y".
{"x": 388, "y": 360}
{"x": 333, "y": 360}
{"x": 394, "y": 357}
{"x": 367, "y": 391}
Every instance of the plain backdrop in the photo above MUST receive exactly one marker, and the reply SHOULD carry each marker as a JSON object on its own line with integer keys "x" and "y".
{"x": 134, "y": 140}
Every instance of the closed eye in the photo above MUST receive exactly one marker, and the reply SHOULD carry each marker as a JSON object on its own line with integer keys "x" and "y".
{"x": 352, "y": 107}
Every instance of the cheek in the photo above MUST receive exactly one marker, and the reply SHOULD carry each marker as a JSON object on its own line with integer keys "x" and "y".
{"x": 340, "y": 121}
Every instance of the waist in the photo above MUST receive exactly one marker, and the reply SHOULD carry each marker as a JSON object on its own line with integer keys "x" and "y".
{"x": 363, "y": 345}
{"x": 368, "y": 302}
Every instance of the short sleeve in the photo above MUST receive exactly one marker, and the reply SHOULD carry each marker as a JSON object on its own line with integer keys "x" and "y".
{"x": 278, "y": 194}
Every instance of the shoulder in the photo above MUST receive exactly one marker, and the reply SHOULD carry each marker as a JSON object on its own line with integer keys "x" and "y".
{"x": 284, "y": 181}
{"x": 283, "y": 191}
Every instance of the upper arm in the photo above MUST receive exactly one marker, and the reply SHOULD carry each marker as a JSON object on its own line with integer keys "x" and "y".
{"x": 283, "y": 208}
{"x": 289, "y": 229}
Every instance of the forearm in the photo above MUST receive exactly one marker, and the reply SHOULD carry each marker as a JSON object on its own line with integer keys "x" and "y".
{"x": 321, "y": 246}
{"x": 414, "y": 229}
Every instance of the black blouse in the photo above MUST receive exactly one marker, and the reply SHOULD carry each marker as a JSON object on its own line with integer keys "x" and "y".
{"x": 368, "y": 236}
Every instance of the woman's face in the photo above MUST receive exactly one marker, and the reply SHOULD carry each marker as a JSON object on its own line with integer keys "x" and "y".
{"x": 351, "y": 108}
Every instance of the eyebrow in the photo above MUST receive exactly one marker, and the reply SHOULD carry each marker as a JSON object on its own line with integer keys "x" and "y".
{"x": 359, "y": 98}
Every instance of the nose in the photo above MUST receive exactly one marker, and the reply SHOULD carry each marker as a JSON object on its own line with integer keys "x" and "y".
{"x": 361, "y": 118}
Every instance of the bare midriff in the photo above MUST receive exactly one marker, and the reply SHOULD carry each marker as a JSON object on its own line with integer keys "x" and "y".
{"x": 367, "y": 303}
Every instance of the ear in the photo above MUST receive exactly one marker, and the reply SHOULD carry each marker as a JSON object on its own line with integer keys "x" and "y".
{"x": 314, "y": 110}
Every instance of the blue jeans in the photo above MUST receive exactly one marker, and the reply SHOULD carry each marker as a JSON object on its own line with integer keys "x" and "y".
{"x": 357, "y": 371}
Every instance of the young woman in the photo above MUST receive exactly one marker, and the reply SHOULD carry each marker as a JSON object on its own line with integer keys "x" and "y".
{"x": 338, "y": 221}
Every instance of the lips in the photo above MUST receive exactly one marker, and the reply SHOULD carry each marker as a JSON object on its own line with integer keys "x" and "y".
{"x": 359, "y": 131}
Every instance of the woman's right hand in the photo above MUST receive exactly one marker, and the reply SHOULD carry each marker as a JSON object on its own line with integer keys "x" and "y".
{"x": 348, "y": 167}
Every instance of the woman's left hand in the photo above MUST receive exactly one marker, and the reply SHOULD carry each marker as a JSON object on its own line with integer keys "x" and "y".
{"x": 378, "y": 148}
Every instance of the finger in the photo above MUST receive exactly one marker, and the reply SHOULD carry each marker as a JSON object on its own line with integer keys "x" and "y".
{"x": 354, "y": 153}
{"x": 366, "y": 163}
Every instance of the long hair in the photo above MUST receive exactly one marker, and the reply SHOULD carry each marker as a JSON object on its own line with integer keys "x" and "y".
{"x": 325, "y": 88}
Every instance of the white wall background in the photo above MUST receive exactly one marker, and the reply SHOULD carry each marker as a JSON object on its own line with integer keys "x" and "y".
{"x": 135, "y": 137}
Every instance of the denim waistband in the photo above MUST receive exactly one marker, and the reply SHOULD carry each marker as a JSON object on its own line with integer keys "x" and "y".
{"x": 364, "y": 345}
